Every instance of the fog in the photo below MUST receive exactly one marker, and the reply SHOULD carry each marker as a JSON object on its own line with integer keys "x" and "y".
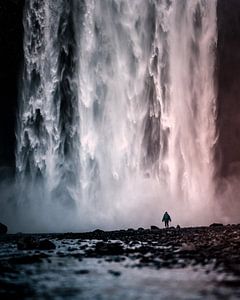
{"x": 117, "y": 118}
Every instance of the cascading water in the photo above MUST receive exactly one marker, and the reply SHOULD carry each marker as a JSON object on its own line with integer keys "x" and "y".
{"x": 117, "y": 110}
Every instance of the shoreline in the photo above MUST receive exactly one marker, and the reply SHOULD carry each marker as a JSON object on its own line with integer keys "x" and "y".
{"x": 104, "y": 256}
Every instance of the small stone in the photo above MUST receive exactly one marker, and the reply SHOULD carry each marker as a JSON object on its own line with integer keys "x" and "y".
{"x": 114, "y": 273}
{"x": 187, "y": 247}
{"x": 82, "y": 272}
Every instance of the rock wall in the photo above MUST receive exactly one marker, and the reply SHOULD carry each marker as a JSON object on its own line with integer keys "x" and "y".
{"x": 228, "y": 53}
{"x": 11, "y": 57}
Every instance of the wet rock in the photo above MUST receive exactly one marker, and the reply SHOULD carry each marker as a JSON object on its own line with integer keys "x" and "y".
{"x": 154, "y": 228}
{"x": 232, "y": 282}
{"x": 3, "y": 229}
{"x": 46, "y": 245}
{"x": 133, "y": 243}
{"x": 109, "y": 248}
{"x": 98, "y": 231}
{"x": 114, "y": 273}
{"x": 27, "y": 243}
{"x": 144, "y": 249}
{"x": 234, "y": 268}
{"x": 140, "y": 229}
{"x": 82, "y": 272}
{"x": 145, "y": 260}
{"x": 71, "y": 249}
{"x": 30, "y": 243}
{"x": 187, "y": 248}
{"x": 5, "y": 267}
{"x": 22, "y": 260}
{"x": 159, "y": 249}
{"x": 216, "y": 225}
{"x": 118, "y": 258}
{"x": 178, "y": 227}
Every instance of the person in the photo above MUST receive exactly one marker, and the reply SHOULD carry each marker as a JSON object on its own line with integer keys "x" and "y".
{"x": 166, "y": 219}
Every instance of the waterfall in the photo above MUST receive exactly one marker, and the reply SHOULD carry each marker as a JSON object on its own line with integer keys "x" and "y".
{"x": 117, "y": 110}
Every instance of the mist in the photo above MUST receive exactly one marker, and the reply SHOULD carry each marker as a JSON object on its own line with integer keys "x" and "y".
{"x": 117, "y": 118}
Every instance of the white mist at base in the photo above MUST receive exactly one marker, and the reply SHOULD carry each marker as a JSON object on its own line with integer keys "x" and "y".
{"x": 117, "y": 114}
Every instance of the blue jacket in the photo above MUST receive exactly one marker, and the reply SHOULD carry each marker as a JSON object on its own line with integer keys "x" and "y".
{"x": 166, "y": 217}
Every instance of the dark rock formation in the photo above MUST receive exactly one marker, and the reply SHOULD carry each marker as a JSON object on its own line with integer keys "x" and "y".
{"x": 228, "y": 72}
{"x": 108, "y": 248}
{"x": 30, "y": 243}
{"x": 153, "y": 227}
{"x": 214, "y": 249}
{"x": 216, "y": 225}
{"x": 27, "y": 243}
{"x": 11, "y": 58}
{"x": 46, "y": 245}
{"x": 3, "y": 229}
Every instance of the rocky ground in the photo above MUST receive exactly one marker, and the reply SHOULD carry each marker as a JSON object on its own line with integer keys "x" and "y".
{"x": 187, "y": 263}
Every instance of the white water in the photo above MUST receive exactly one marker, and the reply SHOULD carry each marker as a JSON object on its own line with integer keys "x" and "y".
{"x": 117, "y": 112}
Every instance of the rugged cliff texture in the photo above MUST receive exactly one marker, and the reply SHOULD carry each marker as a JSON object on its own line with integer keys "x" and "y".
{"x": 228, "y": 52}
{"x": 11, "y": 57}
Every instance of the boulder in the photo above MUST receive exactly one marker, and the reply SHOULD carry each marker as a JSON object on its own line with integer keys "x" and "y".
{"x": 109, "y": 248}
{"x": 216, "y": 225}
{"x": 27, "y": 243}
{"x": 46, "y": 245}
{"x": 30, "y": 243}
{"x": 98, "y": 231}
{"x": 3, "y": 229}
{"x": 153, "y": 227}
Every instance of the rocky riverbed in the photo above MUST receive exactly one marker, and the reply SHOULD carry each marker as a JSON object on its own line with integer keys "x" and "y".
{"x": 175, "y": 263}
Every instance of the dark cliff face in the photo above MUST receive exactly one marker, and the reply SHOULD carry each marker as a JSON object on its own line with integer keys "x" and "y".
{"x": 228, "y": 53}
{"x": 11, "y": 57}
{"x": 228, "y": 72}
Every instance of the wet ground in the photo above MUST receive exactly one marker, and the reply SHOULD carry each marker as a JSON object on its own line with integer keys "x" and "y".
{"x": 190, "y": 263}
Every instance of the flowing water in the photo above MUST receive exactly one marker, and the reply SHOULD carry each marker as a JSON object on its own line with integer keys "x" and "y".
{"x": 117, "y": 111}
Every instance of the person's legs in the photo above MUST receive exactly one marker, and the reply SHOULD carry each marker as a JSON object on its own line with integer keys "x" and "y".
{"x": 167, "y": 225}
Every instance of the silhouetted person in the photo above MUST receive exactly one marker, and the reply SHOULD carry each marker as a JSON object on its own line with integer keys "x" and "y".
{"x": 166, "y": 219}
